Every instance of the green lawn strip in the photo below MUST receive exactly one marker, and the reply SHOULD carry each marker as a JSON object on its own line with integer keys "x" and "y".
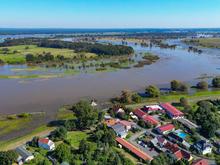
{"x": 13, "y": 143}
{"x": 127, "y": 155}
{"x": 202, "y": 95}
{"x": 16, "y": 54}
{"x": 75, "y": 137}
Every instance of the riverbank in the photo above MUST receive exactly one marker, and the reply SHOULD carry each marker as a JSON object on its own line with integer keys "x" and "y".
{"x": 64, "y": 114}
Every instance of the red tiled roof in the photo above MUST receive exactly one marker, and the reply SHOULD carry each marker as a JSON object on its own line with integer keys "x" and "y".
{"x": 134, "y": 149}
{"x": 167, "y": 127}
{"x": 201, "y": 162}
{"x": 44, "y": 140}
{"x": 171, "y": 109}
{"x": 126, "y": 123}
{"x": 139, "y": 113}
{"x": 150, "y": 119}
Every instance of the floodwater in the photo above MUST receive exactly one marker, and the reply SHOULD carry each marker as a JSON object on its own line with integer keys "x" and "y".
{"x": 38, "y": 95}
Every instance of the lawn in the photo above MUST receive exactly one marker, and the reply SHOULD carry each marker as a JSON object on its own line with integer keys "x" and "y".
{"x": 202, "y": 95}
{"x": 16, "y": 54}
{"x": 75, "y": 137}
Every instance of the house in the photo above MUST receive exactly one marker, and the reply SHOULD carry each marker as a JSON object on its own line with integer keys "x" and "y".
{"x": 200, "y": 162}
{"x": 203, "y": 147}
{"x": 175, "y": 138}
{"x": 171, "y": 111}
{"x": 177, "y": 153}
{"x": 152, "y": 108}
{"x": 110, "y": 122}
{"x": 133, "y": 116}
{"x": 24, "y": 155}
{"x": 165, "y": 129}
{"x": 159, "y": 143}
{"x": 119, "y": 110}
{"x": 120, "y": 130}
{"x": 188, "y": 124}
{"x": 46, "y": 144}
{"x": 93, "y": 103}
{"x": 140, "y": 154}
{"x": 139, "y": 113}
{"x": 128, "y": 125}
{"x": 151, "y": 120}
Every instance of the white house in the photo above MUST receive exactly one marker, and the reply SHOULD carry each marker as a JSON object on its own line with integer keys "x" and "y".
{"x": 46, "y": 144}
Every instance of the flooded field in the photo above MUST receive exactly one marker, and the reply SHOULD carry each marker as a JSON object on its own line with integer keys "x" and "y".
{"x": 34, "y": 95}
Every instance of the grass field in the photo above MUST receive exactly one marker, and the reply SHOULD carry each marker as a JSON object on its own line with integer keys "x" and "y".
{"x": 202, "y": 95}
{"x": 210, "y": 42}
{"x": 75, "y": 137}
{"x": 16, "y": 54}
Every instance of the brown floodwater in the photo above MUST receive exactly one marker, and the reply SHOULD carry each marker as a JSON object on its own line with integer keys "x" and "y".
{"x": 37, "y": 95}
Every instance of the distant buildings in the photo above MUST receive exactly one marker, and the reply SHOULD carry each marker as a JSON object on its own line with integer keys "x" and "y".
{"x": 46, "y": 144}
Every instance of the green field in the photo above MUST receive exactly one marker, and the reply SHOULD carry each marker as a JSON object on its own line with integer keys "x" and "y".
{"x": 75, "y": 137}
{"x": 202, "y": 95}
{"x": 16, "y": 54}
{"x": 210, "y": 42}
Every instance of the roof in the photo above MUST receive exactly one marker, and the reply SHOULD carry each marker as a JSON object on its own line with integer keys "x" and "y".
{"x": 118, "y": 128}
{"x": 23, "y": 152}
{"x": 134, "y": 149}
{"x": 139, "y": 113}
{"x": 150, "y": 119}
{"x": 167, "y": 127}
{"x": 201, "y": 162}
{"x": 44, "y": 140}
{"x": 202, "y": 145}
{"x": 152, "y": 107}
{"x": 171, "y": 109}
{"x": 110, "y": 122}
{"x": 126, "y": 123}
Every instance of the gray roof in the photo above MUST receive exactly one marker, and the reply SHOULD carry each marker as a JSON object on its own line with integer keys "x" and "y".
{"x": 119, "y": 128}
{"x": 23, "y": 152}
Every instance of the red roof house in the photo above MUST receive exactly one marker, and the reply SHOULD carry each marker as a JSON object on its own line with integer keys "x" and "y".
{"x": 171, "y": 110}
{"x": 134, "y": 149}
{"x": 164, "y": 129}
{"x": 177, "y": 153}
{"x": 201, "y": 162}
{"x": 151, "y": 120}
{"x": 139, "y": 113}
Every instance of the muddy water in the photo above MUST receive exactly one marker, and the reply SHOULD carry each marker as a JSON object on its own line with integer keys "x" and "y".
{"x": 18, "y": 96}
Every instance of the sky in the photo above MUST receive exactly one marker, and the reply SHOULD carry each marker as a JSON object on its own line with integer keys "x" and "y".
{"x": 109, "y": 13}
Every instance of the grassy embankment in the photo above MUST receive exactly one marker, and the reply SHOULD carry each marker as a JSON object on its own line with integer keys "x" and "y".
{"x": 201, "y": 95}
{"x": 205, "y": 42}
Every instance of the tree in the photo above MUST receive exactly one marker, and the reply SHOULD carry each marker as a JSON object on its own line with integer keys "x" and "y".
{"x": 34, "y": 142}
{"x": 136, "y": 98}
{"x": 202, "y": 85}
{"x": 126, "y": 96}
{"x": 63, "y": 152}
{"x": 184, "y": 87}
{"x": 175, "y": 85}
{"x": 8, "y": 157}
{"x": 30, "y": 58}
{"x": 153, "y": 91}
{"x": 216, "y": 82}
{"x": 183, "y": 101}
{"x": 59, "y": 134}
{"x": 86, "y": 115}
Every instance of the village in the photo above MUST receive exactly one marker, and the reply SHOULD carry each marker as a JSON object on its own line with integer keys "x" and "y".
{"x": 145, "y": 135}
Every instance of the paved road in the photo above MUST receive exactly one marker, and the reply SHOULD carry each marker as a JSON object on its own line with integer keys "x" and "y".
{"x": 147, "y": 150}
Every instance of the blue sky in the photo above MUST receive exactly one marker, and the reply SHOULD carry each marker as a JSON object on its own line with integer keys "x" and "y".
{"x": 109, "y": 13}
